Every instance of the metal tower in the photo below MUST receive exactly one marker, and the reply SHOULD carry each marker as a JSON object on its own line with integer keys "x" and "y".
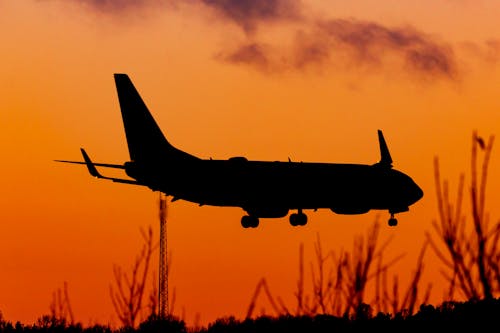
{"x": 163, "y": 269}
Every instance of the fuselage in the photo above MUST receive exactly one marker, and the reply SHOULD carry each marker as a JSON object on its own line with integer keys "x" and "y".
{"x": 271, "y": 189}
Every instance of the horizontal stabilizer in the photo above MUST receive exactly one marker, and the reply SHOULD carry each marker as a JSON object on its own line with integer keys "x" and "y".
{"x": 91, "y": 166}
{"x": 105, "y": 165}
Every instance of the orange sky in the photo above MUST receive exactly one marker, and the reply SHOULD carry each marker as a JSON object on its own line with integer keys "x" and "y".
{"x": 57, "y": 95}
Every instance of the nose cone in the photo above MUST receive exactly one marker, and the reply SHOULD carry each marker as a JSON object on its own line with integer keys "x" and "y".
{"x": 417, "y": 193}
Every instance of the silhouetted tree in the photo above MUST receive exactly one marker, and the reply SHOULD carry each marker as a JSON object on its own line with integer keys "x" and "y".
{"x": 60, "y": 307}
{"x": 390, "y": 301}
{"x": 339, "y": 282}
{"x": 128, "y": 294}
{"x": 473, "y": 257}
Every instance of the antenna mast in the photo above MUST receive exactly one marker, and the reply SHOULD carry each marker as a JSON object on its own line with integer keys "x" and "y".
{"x": 163, "y": 270}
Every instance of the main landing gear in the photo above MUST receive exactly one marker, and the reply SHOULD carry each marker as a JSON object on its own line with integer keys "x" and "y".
{"x": 249, "y": 221}
{"x": 393, "y": 221}
{"x": 298, "y": 218}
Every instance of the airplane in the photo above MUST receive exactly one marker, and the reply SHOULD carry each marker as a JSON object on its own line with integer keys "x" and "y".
{"x": 263, "y": 189}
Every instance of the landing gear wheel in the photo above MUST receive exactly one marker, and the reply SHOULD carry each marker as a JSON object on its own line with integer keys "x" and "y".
{"x": 302, "y": 219}
{"x": 245, "y": 223}
{"x": 249, "y": 221}
{"x": 393, "y": 221}
{"x": 298, "y": 219}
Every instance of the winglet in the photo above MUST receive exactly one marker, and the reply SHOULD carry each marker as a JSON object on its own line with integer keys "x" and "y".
{"x": 92, "y": 170}
{"x": 385, "y": 156}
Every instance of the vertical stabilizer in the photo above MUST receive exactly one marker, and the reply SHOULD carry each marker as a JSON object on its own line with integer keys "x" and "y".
{"x": 145, "y": 140}
{"x": 385, "y": 156}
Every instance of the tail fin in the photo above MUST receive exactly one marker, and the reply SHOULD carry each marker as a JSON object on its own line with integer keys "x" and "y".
{"x": 385, "y": 156}
{"x": 145, "y": 140}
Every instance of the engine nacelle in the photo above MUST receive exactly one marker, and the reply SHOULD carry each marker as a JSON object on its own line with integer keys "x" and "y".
{"x": 350, "y": 210}
{"x": 399, "y": 209}
{"x": 238, "y": 159}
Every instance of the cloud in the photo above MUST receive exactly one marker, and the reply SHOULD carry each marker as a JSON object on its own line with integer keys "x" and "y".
{"x": 314, "y": 42}
{"x": 488, "y": 51}
{"x": 254, "y": 54}
{"x": 117, "y": 6}
{"x": 248, "y": 14}
{"x": 370, "y": 43}
{"x": 114, "y": 7}
{"x": 353, "y": 43}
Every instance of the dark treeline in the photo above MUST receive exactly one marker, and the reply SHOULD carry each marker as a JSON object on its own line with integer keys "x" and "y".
{"x": 448, "y": 316}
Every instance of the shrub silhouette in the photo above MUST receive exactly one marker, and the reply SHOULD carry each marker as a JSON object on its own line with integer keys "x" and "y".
{"x": 156, "y": 323}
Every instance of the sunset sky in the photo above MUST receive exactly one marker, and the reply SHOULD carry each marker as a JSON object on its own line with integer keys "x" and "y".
{"x": 268, "y": 80}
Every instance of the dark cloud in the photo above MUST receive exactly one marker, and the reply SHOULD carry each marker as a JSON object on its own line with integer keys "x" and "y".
{"x": 318, "y": 43}
{"x": 245, "y": 13}
{"x": 252, "y": 54}
{"x": 356, "y": 43}
{"x": 488, "y": 51}
{"x": 369, "y": 43}
{"x": 113, "y": 6}
{"x": 432, "y": 60}
{"x": 248, "y": 14}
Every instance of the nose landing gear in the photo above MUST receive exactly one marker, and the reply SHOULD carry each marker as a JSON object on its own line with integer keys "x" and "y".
{"x": 393, "y": 221}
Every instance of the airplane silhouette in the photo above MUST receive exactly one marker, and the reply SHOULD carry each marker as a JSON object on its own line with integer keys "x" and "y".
{"x": 263, "y": 189}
